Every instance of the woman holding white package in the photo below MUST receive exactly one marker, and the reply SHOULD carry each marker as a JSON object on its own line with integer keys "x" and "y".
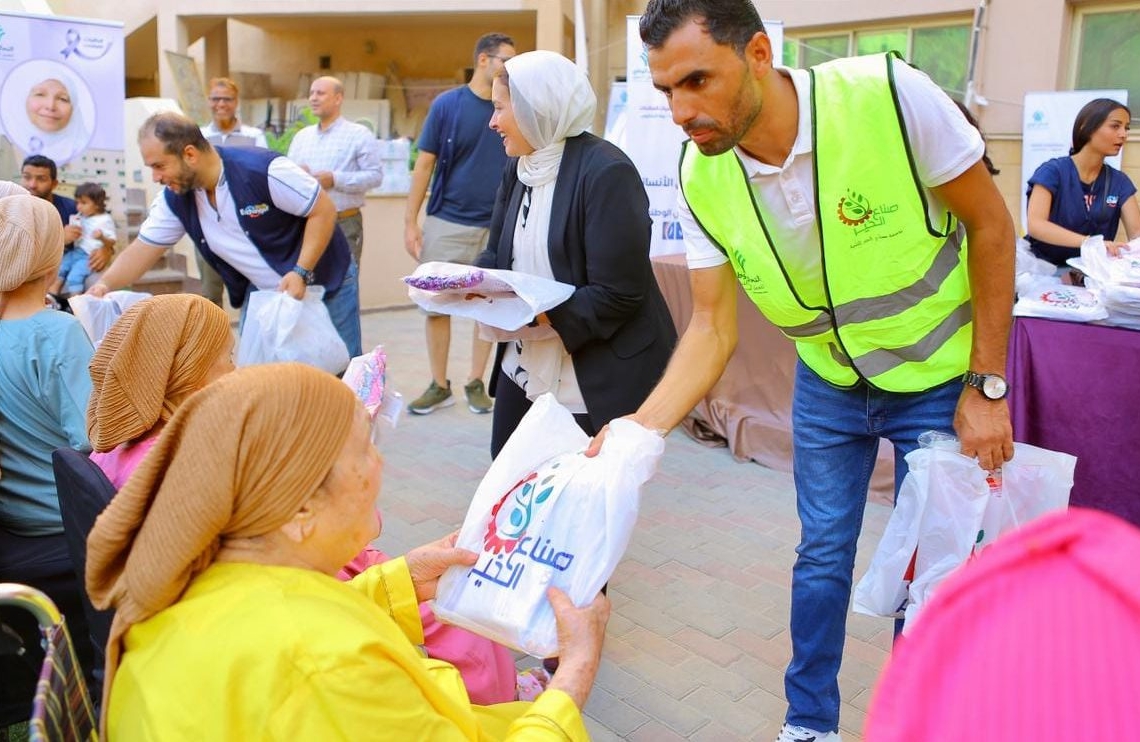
{"x": 1072, "y": 198}
{"x": 219, "y": 557}
{"x": 572, "y": 207}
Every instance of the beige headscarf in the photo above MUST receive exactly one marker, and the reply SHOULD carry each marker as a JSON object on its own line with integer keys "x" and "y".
{"x": 8, "y": 188}
{"x": 31, "y": 240}
{"x": 237, "y": 460}
{"x": 154, "y": 357}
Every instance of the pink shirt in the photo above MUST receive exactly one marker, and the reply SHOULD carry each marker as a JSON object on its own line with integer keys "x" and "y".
{"x": 119, "y": 462}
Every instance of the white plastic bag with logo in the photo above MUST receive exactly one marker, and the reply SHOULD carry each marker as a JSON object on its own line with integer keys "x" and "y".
{"x": 545, "y": 515}
{"x": 279, "y": 328}
{"x": 97, "y": 314}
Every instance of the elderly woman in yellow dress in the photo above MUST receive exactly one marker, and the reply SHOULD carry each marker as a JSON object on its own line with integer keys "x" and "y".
{"x": 219, "y": 557}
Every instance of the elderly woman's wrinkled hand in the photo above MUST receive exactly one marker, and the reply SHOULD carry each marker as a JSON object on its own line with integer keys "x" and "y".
{"x": 428, "y": 562}
{"x": 581, "y": 632}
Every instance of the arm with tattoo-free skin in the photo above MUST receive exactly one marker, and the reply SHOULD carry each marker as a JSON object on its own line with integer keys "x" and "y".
{"x": 983, "y": 425}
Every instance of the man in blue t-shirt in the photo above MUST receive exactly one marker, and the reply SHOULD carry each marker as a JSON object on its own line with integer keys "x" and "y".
{"x": 468, "y": 160}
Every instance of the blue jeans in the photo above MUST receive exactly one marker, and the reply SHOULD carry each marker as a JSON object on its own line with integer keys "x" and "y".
{"x": 835, "y": 439}
{"x": 74, "y": 269}
{"x": 344, "y": 309}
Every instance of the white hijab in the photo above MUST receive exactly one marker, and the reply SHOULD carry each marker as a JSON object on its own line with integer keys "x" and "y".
{"x": 60, "y": 146}
{"x": 552, "y": 100}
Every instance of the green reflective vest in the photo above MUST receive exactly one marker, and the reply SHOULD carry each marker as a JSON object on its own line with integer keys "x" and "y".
{"x": 893, "y": 308}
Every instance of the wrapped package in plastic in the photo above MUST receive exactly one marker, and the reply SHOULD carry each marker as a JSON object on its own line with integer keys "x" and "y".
{"x": 97, "y": 314}
{"x": 546, "y": 515}
{"x": 504, "y": 299}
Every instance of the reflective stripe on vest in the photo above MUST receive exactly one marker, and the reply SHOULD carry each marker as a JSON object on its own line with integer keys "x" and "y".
{"x": 894, "y": 304}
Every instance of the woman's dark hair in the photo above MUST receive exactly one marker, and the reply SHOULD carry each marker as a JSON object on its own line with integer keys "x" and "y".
{"x": 728, "y": 22}
{"x": 94, "y": 193}
{"x": 1091, "y": 117}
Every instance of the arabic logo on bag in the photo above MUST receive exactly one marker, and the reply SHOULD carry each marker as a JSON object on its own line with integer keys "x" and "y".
{"x": 514, "y": 512}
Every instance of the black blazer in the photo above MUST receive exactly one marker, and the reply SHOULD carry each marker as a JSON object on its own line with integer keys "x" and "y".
{"x": 616, "y": 325}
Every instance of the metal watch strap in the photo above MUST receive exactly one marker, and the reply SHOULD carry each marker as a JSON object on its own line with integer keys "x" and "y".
{"x": 304, "y": 273}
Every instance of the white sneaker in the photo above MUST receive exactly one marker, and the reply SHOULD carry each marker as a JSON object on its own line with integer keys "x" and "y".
{"x": 791, "y": 733}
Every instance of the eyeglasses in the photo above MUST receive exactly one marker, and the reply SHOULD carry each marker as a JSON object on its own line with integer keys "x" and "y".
{"x": 500, "y": 57}
{"x": 219, "y": 99}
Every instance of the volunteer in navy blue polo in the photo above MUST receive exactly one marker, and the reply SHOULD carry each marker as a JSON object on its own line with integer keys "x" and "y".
{"x": 260, "y": 220}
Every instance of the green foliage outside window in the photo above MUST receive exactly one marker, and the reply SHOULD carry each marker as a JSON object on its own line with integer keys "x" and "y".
{"x": 943, "y": 52}
{"x": 1109, "y": 54}
{"x": 280, "y": 142}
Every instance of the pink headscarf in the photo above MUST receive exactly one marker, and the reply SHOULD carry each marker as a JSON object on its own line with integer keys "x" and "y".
{"x": 1039, "y": 639}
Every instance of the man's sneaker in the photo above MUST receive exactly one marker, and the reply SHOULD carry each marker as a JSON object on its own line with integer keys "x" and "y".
{"x": 477, "y": 399}
{"x": 435, "y": 397}
{"x": 792, "y": 733}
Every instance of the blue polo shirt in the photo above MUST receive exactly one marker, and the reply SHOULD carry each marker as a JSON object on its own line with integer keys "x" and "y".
{"x": 1085, "y": 208}
{"x": 470, "y": 157}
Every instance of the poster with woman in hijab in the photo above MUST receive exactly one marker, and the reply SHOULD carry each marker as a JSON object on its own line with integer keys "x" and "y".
{"x": 62, "y": 86}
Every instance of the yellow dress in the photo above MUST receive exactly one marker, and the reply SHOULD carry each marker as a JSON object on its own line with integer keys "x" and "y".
{"x": 253, "y": 652}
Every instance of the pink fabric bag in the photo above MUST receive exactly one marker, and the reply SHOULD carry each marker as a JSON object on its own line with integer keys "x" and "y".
{"x": 1036, "y": 639}
{"x": 488, "y": 669}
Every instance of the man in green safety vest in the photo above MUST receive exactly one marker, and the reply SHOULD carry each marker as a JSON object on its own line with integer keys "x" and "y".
{"x": 851, "y": 203}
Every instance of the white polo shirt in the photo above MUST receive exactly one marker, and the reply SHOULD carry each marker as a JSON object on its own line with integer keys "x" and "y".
{"x": 944, "y": 144}
{"x": 290, "y": 188}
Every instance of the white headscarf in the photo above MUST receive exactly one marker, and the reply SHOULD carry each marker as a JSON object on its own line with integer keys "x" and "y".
{"x": 552, "y": 100}
{"x": 60, "y": 146}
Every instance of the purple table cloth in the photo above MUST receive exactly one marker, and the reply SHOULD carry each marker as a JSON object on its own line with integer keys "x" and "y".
{"x": 1076, "y": 388}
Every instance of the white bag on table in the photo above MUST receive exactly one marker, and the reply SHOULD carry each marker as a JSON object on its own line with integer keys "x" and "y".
{"x": 545, "y": 515}
{"x": 279, "y": 328}
{"x": 499, "y": 298}
{"x": 97, "y": 314}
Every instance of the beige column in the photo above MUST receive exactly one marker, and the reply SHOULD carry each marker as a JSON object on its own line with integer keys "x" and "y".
{"x": 172, "y": 36}
{"x": 217, "y": 41}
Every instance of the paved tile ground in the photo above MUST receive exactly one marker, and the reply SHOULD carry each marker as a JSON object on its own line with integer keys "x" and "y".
{"x": 698, "y": 639}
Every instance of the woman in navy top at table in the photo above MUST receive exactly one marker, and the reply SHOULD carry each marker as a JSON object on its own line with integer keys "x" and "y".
{"x": 1074, "y": 197}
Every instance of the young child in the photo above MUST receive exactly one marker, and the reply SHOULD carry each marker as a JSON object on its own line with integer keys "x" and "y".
{"x": 98, "y": 231}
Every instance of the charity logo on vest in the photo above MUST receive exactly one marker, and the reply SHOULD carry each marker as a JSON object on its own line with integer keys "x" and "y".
{"x": 855, "y": 211}
{"x": 752, "y": 285}
{"x": 254, "y": 210}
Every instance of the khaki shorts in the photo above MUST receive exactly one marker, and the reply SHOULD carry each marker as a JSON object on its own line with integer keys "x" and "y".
{"x": 452, "y": 243}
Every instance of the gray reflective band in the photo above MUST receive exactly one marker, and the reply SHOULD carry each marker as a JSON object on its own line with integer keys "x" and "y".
{"x": 878, "y": 307}
{"x": 883, "y": 360}
{"x": 818, "y": 326}
{"x": 838, "y": 356}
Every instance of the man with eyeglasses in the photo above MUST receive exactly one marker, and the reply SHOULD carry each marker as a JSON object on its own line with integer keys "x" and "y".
{"x": 468, "y": 160}
{"x": 226, "y": 129}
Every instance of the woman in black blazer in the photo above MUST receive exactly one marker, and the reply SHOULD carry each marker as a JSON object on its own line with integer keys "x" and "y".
{"x": 572, "y": 207}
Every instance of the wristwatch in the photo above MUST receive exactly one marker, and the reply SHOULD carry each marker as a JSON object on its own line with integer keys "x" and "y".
{"x": 992, "y": 386}
{"x": 304, "y": 273}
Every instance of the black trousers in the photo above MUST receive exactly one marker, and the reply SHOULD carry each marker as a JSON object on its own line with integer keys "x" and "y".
{"x": 510, "y": 406}
{"x": 41, "y": 562}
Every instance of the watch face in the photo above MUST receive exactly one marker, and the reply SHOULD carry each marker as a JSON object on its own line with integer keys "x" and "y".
{"x": 994, "y": 386}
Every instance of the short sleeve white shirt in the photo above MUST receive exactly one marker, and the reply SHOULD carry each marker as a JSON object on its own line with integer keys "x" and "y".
{"x": 290, "y": 188}
{"x": 944, "y": 144}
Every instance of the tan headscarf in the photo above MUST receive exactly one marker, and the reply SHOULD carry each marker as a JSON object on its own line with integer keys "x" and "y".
{"x": 154, "y": 357}
{"x": 31, "y": 240}
{"x": 237, "y": 460}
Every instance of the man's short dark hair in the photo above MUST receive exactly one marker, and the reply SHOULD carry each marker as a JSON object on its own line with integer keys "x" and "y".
{"x": 175, "y": 131}
{"x": 489, "y": 43}
{"x": 41, "y": 161}
{"x": 728, "y": 22}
